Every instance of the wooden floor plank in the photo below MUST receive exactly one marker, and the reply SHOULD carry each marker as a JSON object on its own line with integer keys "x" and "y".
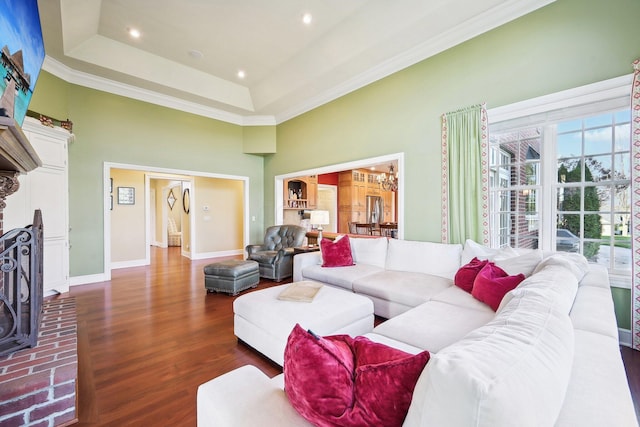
{"x": 150, "y": 336}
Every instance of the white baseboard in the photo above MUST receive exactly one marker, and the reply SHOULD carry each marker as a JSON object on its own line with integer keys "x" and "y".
{"x": 127, "y": 264}
{"x": 205, "y": 255}
{"x": 88, "y": 279}
{"x": 624, "y": 337}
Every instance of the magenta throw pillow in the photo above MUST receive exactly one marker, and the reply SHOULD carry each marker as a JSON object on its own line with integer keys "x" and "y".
{"x": 343, "y": 381}
{"x": 466, "y": 275}
{"x": 492, "y": 283}
{"x": 336, "y": 253}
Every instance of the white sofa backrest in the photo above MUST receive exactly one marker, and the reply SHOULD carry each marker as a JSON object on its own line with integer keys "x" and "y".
{"x": 523, "y": 357}
{"x": 556, "y": 281}
{"x": 372, "y": 251}
{"x": 439, "y": 259}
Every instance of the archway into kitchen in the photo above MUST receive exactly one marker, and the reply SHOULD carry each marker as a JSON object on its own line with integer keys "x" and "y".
{"x": 210, "y": 212}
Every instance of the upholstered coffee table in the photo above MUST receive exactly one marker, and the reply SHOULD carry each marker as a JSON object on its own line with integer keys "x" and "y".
{"x": 264, "y": 322}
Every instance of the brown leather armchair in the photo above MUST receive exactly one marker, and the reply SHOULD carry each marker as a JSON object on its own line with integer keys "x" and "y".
{"x": 275, "y": 255}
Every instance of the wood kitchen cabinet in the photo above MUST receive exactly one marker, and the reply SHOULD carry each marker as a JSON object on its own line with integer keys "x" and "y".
{"x": 352, "y": 196}
{"x": 301, "y": 193}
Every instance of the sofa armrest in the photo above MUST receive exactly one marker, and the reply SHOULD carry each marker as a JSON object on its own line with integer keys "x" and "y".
{"x": 253, "y": 248}
{"x": 300, "y": 261}
{"x": 245, "y": 397}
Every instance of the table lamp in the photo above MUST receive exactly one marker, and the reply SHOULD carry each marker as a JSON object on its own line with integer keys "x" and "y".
{"x": 319, "y": 218}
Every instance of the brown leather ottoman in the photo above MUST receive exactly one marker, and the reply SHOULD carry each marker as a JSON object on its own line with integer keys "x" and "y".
{"x": 231, "y": 276}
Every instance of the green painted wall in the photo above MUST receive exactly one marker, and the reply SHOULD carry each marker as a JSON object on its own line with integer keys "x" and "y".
{"x": 561, "y": 46}
{"x": 259, "y": 139}
{"x": 622, "y": 302}
{"x": 110, "y": 128}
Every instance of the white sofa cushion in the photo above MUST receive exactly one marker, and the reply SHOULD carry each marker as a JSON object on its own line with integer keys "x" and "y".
{"x": 593, "y": 311}
{"x": 523, "y": 356}
{"x": 339, "y": 276}
{"x": 372, "y": 251}
{"x": 473, "y": 250}
{"x": 575, "y": 263}
{"x": 597, "y": 367}
{"x": 405, "y": 288}
{"x": 439, "y": 259}
{"x": 512, "y": 261}
{"x": 456, "y": 296}
{"x": 434, "y": 325}
{"x": 554, "y": 280}
{"x": 245, "y": 397}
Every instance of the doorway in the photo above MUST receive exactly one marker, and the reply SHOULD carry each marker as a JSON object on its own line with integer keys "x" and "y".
{"x": 128, "y": 233}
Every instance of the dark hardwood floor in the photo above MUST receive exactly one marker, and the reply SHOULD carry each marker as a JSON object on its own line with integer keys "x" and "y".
{"x": 148, "y": 338}
{"x": 151, "y": 335}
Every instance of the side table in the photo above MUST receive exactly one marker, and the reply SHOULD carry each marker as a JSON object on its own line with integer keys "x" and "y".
{"x": 305, "y": 249}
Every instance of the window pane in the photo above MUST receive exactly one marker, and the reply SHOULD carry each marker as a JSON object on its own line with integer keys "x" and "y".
{"x": 600, "y": 120}
{"x": 622, "y": 253}
{"x": 622, "y": 168}
{"x": 570, "y": 144}
{"x": 566, "y": 241}
{"x": 604, "y": 195}
{"x": 623, "y": 137}
{"x": 569, "y": 171}
{"x": 571, "y": 125}
{"x": 597, "y": 141}
{"x": 568, "y": 226}
{"x": 592, "y": 226}
{"x": 598, "y": 168}
{"x": 569, "y": 199}
{"x": 621, "y": 198}
{"x": 590, "y": 250}
{"x": 530, "y": 198}
{"x": 622, "y": 116}
{"x": 529, "y": 241}
{"x": 531, "y": 173}
{"x": 592, "y": 199}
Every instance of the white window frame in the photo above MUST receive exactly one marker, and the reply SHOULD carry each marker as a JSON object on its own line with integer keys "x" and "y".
{"x": 609, "y": 95}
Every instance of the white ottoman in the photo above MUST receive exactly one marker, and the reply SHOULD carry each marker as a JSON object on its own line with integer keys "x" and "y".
{"x": 264, "y": 322}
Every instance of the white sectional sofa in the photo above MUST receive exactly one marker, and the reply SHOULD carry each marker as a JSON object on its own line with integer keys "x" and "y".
{"x": 548, "y": 356}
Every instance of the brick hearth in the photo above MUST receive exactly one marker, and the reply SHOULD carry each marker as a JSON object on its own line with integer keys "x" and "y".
{"x": 38, "y": 385}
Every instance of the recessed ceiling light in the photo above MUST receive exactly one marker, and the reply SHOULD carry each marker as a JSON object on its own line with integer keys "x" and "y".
{"x": 241, "y": 74}
{"x": 133, "y": 32}
{"x": 307, "y": 18}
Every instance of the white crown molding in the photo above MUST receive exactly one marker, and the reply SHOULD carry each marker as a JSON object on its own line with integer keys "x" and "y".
{"x": 93, "y": 82}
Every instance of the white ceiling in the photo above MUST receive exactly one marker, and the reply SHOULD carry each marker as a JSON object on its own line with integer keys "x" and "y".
{"x": 290, "y": 67}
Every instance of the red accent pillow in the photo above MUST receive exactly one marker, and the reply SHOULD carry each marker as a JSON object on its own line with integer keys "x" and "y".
{"x": 336, "y": 253}
{"x": 343, "y": 381}
{"x": 492, "y": 283}
{"x": 466, "y": 275}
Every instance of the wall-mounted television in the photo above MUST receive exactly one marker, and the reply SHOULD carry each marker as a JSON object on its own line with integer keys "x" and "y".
{"x": 21, "y": 55}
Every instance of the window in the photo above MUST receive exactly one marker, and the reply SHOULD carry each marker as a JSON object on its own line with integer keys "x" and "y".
{"x": 564, "y": 184}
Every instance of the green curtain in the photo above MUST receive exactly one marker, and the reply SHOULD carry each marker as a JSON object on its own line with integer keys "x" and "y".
{"x": 465, "y": 175}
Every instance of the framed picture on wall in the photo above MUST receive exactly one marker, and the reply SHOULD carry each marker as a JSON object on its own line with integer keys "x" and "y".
{"x": 126, "y": 196}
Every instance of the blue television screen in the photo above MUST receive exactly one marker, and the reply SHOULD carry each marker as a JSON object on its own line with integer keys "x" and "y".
{"x": 21, "y": 56}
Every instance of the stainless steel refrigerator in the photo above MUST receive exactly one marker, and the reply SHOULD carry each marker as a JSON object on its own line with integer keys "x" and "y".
{"x": 375, "y": 209}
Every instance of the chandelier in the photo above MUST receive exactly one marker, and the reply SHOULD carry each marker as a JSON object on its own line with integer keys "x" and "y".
{"x": 389, "y": 182}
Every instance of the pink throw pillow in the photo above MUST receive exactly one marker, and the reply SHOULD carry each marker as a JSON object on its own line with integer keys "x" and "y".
{"x": 492, "y": 283}
{"x": 337, "y": 253}
{"x": 343, "y": 381}
{"x": 466, "y": 275}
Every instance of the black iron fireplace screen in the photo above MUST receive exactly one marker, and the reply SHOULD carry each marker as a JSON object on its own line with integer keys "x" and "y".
{"x": 21, "y": 286}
